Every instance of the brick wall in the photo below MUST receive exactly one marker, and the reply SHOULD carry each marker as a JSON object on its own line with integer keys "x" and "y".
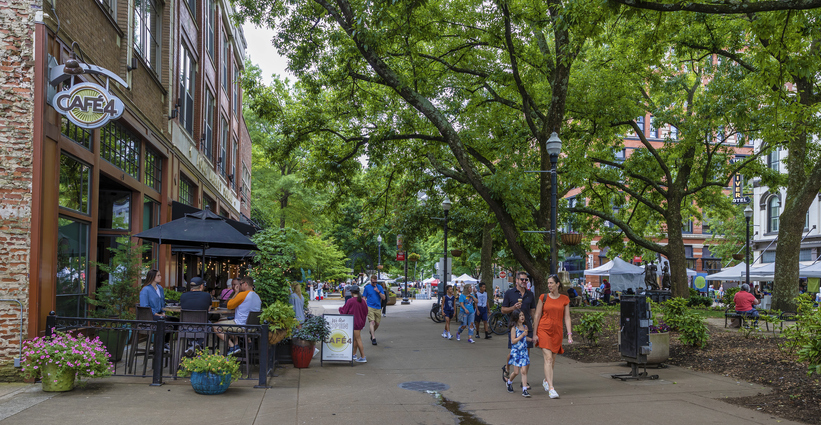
{"x": 16, "y": 124}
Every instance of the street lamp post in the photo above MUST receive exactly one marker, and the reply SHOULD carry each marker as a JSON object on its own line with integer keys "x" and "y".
{"x": 554, "y": 148}
{"x": 441, "y": 290}
{"x": 379, "y": 241}
{"x": 748, "y": 214}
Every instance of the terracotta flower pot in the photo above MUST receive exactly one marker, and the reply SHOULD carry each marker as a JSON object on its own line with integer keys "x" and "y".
{"x": 302, "y": 352}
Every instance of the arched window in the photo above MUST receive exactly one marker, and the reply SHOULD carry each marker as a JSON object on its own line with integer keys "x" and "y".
{"x": 773, "y": 211}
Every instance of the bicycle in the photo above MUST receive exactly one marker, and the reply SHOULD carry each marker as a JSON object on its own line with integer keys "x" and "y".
{"x": 498, "y": 321}
{"x": 436, "y": 313}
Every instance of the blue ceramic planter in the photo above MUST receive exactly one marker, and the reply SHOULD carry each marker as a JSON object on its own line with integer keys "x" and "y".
{"x": 209, "y": 383}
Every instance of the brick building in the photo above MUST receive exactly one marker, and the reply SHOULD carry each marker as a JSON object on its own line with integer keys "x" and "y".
{"x": 70, "y": 190}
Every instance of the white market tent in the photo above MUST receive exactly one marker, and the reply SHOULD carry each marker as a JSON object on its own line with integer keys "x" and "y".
{"x": 738, "y": 273}
{"x": 465, "y": 278}
{"x": 804, "y": 271}
{"x": 622, "y": 274}
{"x": 813, "y": 270}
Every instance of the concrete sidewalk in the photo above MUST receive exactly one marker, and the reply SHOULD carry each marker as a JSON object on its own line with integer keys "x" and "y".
{"x": 410, "y": 348}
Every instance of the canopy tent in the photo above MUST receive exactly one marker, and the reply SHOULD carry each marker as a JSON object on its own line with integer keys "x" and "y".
{"x": 465, "y": 278}
{"x": 622, "y": 274}
{"x": 768, "y": 270}
{"x": 813, "y": 270}
{"x": 738, "y": 273}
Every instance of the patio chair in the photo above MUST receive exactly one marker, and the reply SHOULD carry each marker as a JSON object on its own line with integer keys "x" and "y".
{"x": 187, "y": 333}
{"x": 250, "y": 341}
{"x": 141, "y": 330}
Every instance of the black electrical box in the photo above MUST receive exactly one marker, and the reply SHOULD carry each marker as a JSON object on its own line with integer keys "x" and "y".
{"x": 635, "y": 328}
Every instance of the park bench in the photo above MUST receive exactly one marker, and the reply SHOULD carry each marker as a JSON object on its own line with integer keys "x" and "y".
{"x": 730, "y": 314}
{"x": 787, "y": 317}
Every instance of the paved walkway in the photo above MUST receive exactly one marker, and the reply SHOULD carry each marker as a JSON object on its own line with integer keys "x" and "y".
{"x": 410, "y": 349}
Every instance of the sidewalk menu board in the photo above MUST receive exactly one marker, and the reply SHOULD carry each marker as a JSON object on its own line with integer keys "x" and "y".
{"x": 339, "y": 345}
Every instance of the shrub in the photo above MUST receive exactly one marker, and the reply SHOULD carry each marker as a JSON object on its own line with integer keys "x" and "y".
{"x": 729, "y": 297}
{"x": 273, "y": 261}
{"x": 590, "y": 327}
{"x": 692, "y": 330}
{"x": 118, "y": 297}
{"x": 805, "y": 336}
{"x": 699, "y": 301}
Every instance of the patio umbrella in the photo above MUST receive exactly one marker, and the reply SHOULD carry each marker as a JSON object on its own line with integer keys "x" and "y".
{"x": 202, "y": 229}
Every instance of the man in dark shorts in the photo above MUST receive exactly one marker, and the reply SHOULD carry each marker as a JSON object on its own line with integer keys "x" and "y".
{"x": 519, "y": 298}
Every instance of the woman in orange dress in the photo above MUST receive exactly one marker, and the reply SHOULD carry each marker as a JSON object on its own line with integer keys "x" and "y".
{"x": 552, "y": 309}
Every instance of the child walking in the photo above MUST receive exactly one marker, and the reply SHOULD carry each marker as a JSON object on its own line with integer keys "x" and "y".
{"x": 466, "y": 314}
{"x": 448, "y": 302}
{"x": 519, "y": 356}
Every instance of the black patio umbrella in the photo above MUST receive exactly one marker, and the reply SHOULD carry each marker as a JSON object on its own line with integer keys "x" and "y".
{"x": 202, "y": 229}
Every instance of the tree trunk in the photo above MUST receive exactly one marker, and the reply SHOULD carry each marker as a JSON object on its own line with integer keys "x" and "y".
{"x": 283, "y": 203}
{"x": 675, "y": 248}
{"x": 486, "y": 261}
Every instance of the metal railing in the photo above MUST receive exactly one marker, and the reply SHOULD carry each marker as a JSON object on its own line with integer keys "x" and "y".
{"x": 155, "y": 348}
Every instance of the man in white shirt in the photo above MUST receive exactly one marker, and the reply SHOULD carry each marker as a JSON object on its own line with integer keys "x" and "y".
{"x": 242, "y": 303}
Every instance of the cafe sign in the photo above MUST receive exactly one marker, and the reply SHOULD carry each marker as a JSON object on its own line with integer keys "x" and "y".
{"x": 88, "y": 105}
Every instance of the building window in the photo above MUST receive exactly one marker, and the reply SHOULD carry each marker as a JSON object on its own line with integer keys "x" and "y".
{"x": 568, "y": 226}
{"x": 773, "y": 211}
{"x": 654, "y": 133}
{"x": 225, "y": 63}
{"x": 153, "y": 170}
{"x": 208, "y": 127}
{"x": 187, "y": 79}
{"x": 147, "y": 26}
{"x": 72, "y": 267}
{"x": 805, "y": 254}
{"x": 75, "y": 184}
{"x": 186, "y": 191}
{"x": 687, "y": 227}
{"x": 235, "y": 160}
{"x": 209, "y": 204}
{"x": 151, "y": 218}
{"x": 192, "y": 4}
{"x": 115, "y": 206}
{"x": 705, "y": 224}
{"x": 110, "y": 6}
{"x": 236, "y": 89}
{"x": 640, "y": 123}
{"x": 720, "y": 134}
{"x": 78, "y": 135}
{"x": 673, "y": 133}
{"x": 768, "y": 256}
{"x": 209, "y": 27}
{"x": 773, "y": 159}
{"x": 245, "y": 189}
{"x": 121, "y": 148}
{"x": 221, "y": 162}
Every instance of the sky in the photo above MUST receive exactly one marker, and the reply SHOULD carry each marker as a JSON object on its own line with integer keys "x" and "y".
{"x": 263, "y": 53}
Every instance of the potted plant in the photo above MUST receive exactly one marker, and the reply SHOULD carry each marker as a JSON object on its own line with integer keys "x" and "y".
{"x": 210, "y": 373}
{"x": 456, "y": 252}
{"x": 59, "y": 359}
{"x": 660, "y": 343}
{"x": 304, "y": 339}
{"x": 391, "y": 297}
{"x": 414, "y": 257}
{"x": 738, "y": 257}
{"x": 172, "y": 297}
{"x": 281, "y": 319}
{"x": 116, "y": 299}
{"x": 571, "y": 238}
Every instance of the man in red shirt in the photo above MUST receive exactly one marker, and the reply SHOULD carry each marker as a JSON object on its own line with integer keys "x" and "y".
{"x": 744, "y": 302}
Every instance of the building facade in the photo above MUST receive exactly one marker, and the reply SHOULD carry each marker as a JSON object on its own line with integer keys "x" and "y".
{"x": 72, "y": 185}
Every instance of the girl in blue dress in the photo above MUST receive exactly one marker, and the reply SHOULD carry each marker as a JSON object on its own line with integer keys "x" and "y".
{"x": 519, "y": 356}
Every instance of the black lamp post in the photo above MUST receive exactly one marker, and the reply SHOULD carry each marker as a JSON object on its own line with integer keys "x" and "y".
{"x": 441, "y": 290}
{"x": 379, "y": 240}
{"x": 554, "y": 148}
{"x": 748, "y": 214}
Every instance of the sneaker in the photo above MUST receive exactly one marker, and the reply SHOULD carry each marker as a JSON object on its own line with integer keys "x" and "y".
{"x": 166, "y": 348}
{"x": 553, "y": 394}
{"x": 361, "y": 360}
{"x": 470, "y": 340}
{"x": 355, "y": 357}
{"x": 525, "y": 393}
{"x": 545, "y": 386}
{"x": 458, "y": 337}
{"x": 487, "y": 336}
{"x": 316, "y": 351}
{"x": 373, "y": 341}
{"x": 234, "y": 351}
{"x": 509, "y": 386}
{"x": 505, "y": 373}
{"x": 189, "y": 352}
{"x": 450, "y": 336}
{"x": 444, "y": 334}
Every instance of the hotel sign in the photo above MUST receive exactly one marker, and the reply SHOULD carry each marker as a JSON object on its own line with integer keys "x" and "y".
{"x": 86, "y": 104}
